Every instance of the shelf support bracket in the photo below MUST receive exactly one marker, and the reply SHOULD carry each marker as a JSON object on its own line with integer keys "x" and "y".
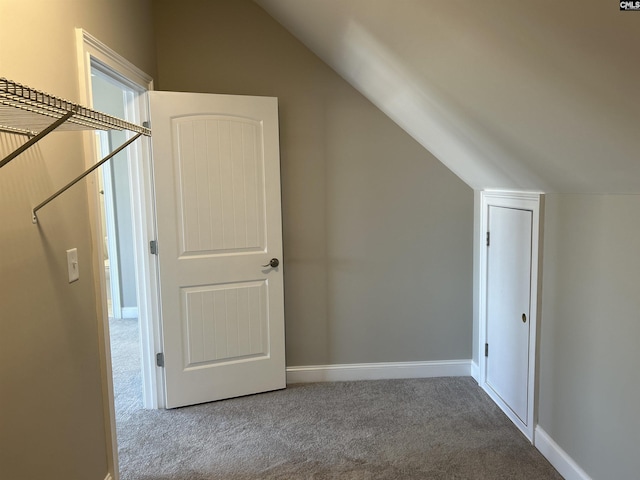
{"x": 37, "y": 138}
{"x": 34, "y": 217}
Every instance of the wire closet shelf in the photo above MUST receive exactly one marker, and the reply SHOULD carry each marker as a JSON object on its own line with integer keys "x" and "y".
{"x": 33, "y": 113}
{"x": 27, "y": 111}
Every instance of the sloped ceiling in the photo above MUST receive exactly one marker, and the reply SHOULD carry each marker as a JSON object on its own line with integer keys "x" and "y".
{"x": 538, "y": 95}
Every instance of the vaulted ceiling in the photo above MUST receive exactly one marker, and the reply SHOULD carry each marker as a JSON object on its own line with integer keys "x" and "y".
{"x": 538, "y": 95}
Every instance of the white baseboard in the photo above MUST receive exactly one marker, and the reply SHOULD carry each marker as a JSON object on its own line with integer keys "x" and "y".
{"x": 562, "y": 462}
{"x": 378, "y": 371}
{"x": 475, "y": 371}
{"x": 129, "y": 312}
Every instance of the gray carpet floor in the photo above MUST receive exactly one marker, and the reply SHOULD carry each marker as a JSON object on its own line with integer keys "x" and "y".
{"x": 437, "y": 428}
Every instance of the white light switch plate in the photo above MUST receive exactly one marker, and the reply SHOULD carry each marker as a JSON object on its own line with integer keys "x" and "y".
{"x": 72, "y": 265}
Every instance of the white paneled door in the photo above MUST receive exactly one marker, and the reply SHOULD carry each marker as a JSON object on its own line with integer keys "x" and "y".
{"x": 509, "y": 262}
{"x": 217, "y": 186}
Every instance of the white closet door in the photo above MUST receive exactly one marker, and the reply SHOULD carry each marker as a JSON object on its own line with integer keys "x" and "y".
{"x": 508, "y": 306}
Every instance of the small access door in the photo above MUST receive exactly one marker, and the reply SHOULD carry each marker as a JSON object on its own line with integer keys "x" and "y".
{"x": 217, "y": 186}
{"x": 508, "y": 306}
{"x": 508, "y": 302}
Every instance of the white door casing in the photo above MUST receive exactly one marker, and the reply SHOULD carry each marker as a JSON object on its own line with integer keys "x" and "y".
{"x": 217, "y": 184}
{"x": 509, "y": 289}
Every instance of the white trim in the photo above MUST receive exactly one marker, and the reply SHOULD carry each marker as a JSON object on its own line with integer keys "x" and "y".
{"x": 129, "y": 312}
{"x": 378, "y": 371}
{"x": 560, "y": 460}
{"x": 108, "y": 477}
{"x": 527, "y": 201}
{"x": 475, "y": 371}
{"x": 91, "y": 154}
{"x": 91, "y": 45}
{"x": 511, "y": 195}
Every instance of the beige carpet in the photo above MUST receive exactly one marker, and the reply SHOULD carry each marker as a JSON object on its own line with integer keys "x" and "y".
{"x": 441, "y": 428}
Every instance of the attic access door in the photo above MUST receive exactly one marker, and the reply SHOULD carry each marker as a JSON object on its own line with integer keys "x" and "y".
{"x": 508, "y": 319}
{"x": 217, "y": 186}
{"x": 508, "y": 306}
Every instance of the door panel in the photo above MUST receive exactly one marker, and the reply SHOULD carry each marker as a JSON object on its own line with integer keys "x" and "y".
{"x": 221, "y": 182}
{"x": 508, "y": 299}
{"x": 216, "y": 168}
{"x": 224, "y": 323}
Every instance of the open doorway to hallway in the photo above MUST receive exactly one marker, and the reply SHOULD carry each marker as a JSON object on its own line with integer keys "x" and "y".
{"x": 110, "y": 96}
{"x": 116, "y": 187}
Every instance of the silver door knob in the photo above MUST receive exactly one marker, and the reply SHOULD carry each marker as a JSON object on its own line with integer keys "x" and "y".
{"x": 273, "y": 263}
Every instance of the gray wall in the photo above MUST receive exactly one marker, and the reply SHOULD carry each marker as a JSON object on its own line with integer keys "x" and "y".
{"x": 52, "y": 420}
{"x": 377, "y": 232}
{"x": 590, "y": 331}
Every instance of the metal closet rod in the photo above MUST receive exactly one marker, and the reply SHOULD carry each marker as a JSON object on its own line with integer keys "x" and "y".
{"x": 34, "y": 217}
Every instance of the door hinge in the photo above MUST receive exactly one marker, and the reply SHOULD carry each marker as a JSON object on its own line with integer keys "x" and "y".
{"x": 488, "y": 238}
{"x": 160, "y": 359}
{"x": 153, "y": 247}
{"x": 486, "y": 349}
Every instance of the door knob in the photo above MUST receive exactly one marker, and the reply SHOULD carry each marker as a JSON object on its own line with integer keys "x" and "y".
{"x": 273, "y": 263}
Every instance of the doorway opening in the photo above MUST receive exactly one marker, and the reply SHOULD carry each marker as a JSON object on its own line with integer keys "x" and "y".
{"x": 127, "y": 88}
{"x": 113, "y": 96}
{"x": 110, "y": 96}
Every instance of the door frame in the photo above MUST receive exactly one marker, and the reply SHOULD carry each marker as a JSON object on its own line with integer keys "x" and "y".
{"x": 534, "y": 202}
{"x": 91, "y": 52}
